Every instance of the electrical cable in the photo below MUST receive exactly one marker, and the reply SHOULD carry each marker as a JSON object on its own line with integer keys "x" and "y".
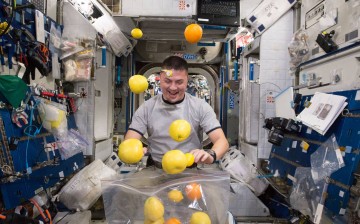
{"x": 2, "y": 217}
{"x": 39, "y": 209}
{"x": 49, "y": 215}
{"x": 28, "y": 133}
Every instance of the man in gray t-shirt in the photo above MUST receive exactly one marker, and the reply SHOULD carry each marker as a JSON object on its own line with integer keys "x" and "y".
{"x": 156, "y": 115}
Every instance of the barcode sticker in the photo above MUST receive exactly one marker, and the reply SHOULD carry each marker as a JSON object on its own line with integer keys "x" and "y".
{"x": 339, "y": 157}
{"x": 341, "y": 193}
{"x": 342, "y": 211}
{"x": 318, "y": 213}
{"x": 309, "y": 131}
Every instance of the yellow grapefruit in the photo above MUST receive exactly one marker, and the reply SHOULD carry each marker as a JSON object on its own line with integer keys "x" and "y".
{"x": 200, "y": 218}
{"x": 159, "y": 221}
{"x": 175, "y": 196}
{"x": 138, "y": 84}
{"x": 174, "y": 161}
{"x": 153, "y": 209}
{"x": 131, "y": 151}
{"x": 179, "y": 130}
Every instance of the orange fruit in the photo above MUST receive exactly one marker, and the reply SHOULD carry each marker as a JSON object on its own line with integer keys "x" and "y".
{"x": 173, "y": 221}
{"x": 193, "y": 191}
{"x": 193, "y": 33}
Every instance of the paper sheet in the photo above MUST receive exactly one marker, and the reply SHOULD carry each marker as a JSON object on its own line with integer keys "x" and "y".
{"x": 322, "y": 112}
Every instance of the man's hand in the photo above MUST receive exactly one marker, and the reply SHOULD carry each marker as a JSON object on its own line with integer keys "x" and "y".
{"x": 145, "y": 151}
{"x": 201, "y": 156}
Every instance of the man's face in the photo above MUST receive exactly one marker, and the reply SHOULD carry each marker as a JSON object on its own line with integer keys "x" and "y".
{"x": 173, "y": 86}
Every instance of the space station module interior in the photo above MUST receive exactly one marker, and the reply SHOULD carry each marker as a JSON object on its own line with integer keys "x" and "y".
{"x": 282, "y": 76}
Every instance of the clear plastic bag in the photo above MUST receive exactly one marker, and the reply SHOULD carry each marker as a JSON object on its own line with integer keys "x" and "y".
{"x": 54, "y": 120}
{"x": 70, "y": 144}
{"x": 55, "y": 38}
{"x": 78, "y": 69}
{"x": 124, "y": 199}
{"x": 69, "y": 48}
{"x": 326, "y": 159}
{"x": 298, "y": 49}
{"x": 306, "y": 194}
{"x": 53, "y": 116}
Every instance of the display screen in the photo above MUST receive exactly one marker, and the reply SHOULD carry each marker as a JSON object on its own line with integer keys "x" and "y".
{"x": 215, "y": 12}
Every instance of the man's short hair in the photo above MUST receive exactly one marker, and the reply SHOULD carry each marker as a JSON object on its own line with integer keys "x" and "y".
{"x": 175, "y": 62}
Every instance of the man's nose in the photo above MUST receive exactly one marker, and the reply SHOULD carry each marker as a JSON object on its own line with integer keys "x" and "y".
{"x": 173, "y": 85}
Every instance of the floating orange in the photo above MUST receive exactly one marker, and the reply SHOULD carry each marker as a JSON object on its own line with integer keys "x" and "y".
{"x": 193, "y": 191}
{"x": 173, "y": 221}
{"x": 193, "y": 33}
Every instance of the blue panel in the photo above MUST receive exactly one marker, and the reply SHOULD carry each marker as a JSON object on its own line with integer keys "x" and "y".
{"x": 32, "y": 152}
{"x": 24, "y": 188}
{"x": 347, "y": 132}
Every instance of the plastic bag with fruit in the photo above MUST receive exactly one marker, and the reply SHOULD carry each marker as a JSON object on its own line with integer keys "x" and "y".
{"x": 152, "y": 196}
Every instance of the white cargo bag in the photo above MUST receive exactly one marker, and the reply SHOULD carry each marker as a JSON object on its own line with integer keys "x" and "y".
{"x": 84, "y": 189}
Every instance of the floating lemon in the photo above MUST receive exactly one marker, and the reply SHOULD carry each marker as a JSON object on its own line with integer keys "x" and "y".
{"x": 136, "y": 33}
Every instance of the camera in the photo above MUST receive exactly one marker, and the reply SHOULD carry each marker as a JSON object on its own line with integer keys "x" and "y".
{"x": 278, "y": 126}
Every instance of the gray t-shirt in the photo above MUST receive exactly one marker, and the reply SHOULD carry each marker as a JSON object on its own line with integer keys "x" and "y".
{"x": 155, "y": 116}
